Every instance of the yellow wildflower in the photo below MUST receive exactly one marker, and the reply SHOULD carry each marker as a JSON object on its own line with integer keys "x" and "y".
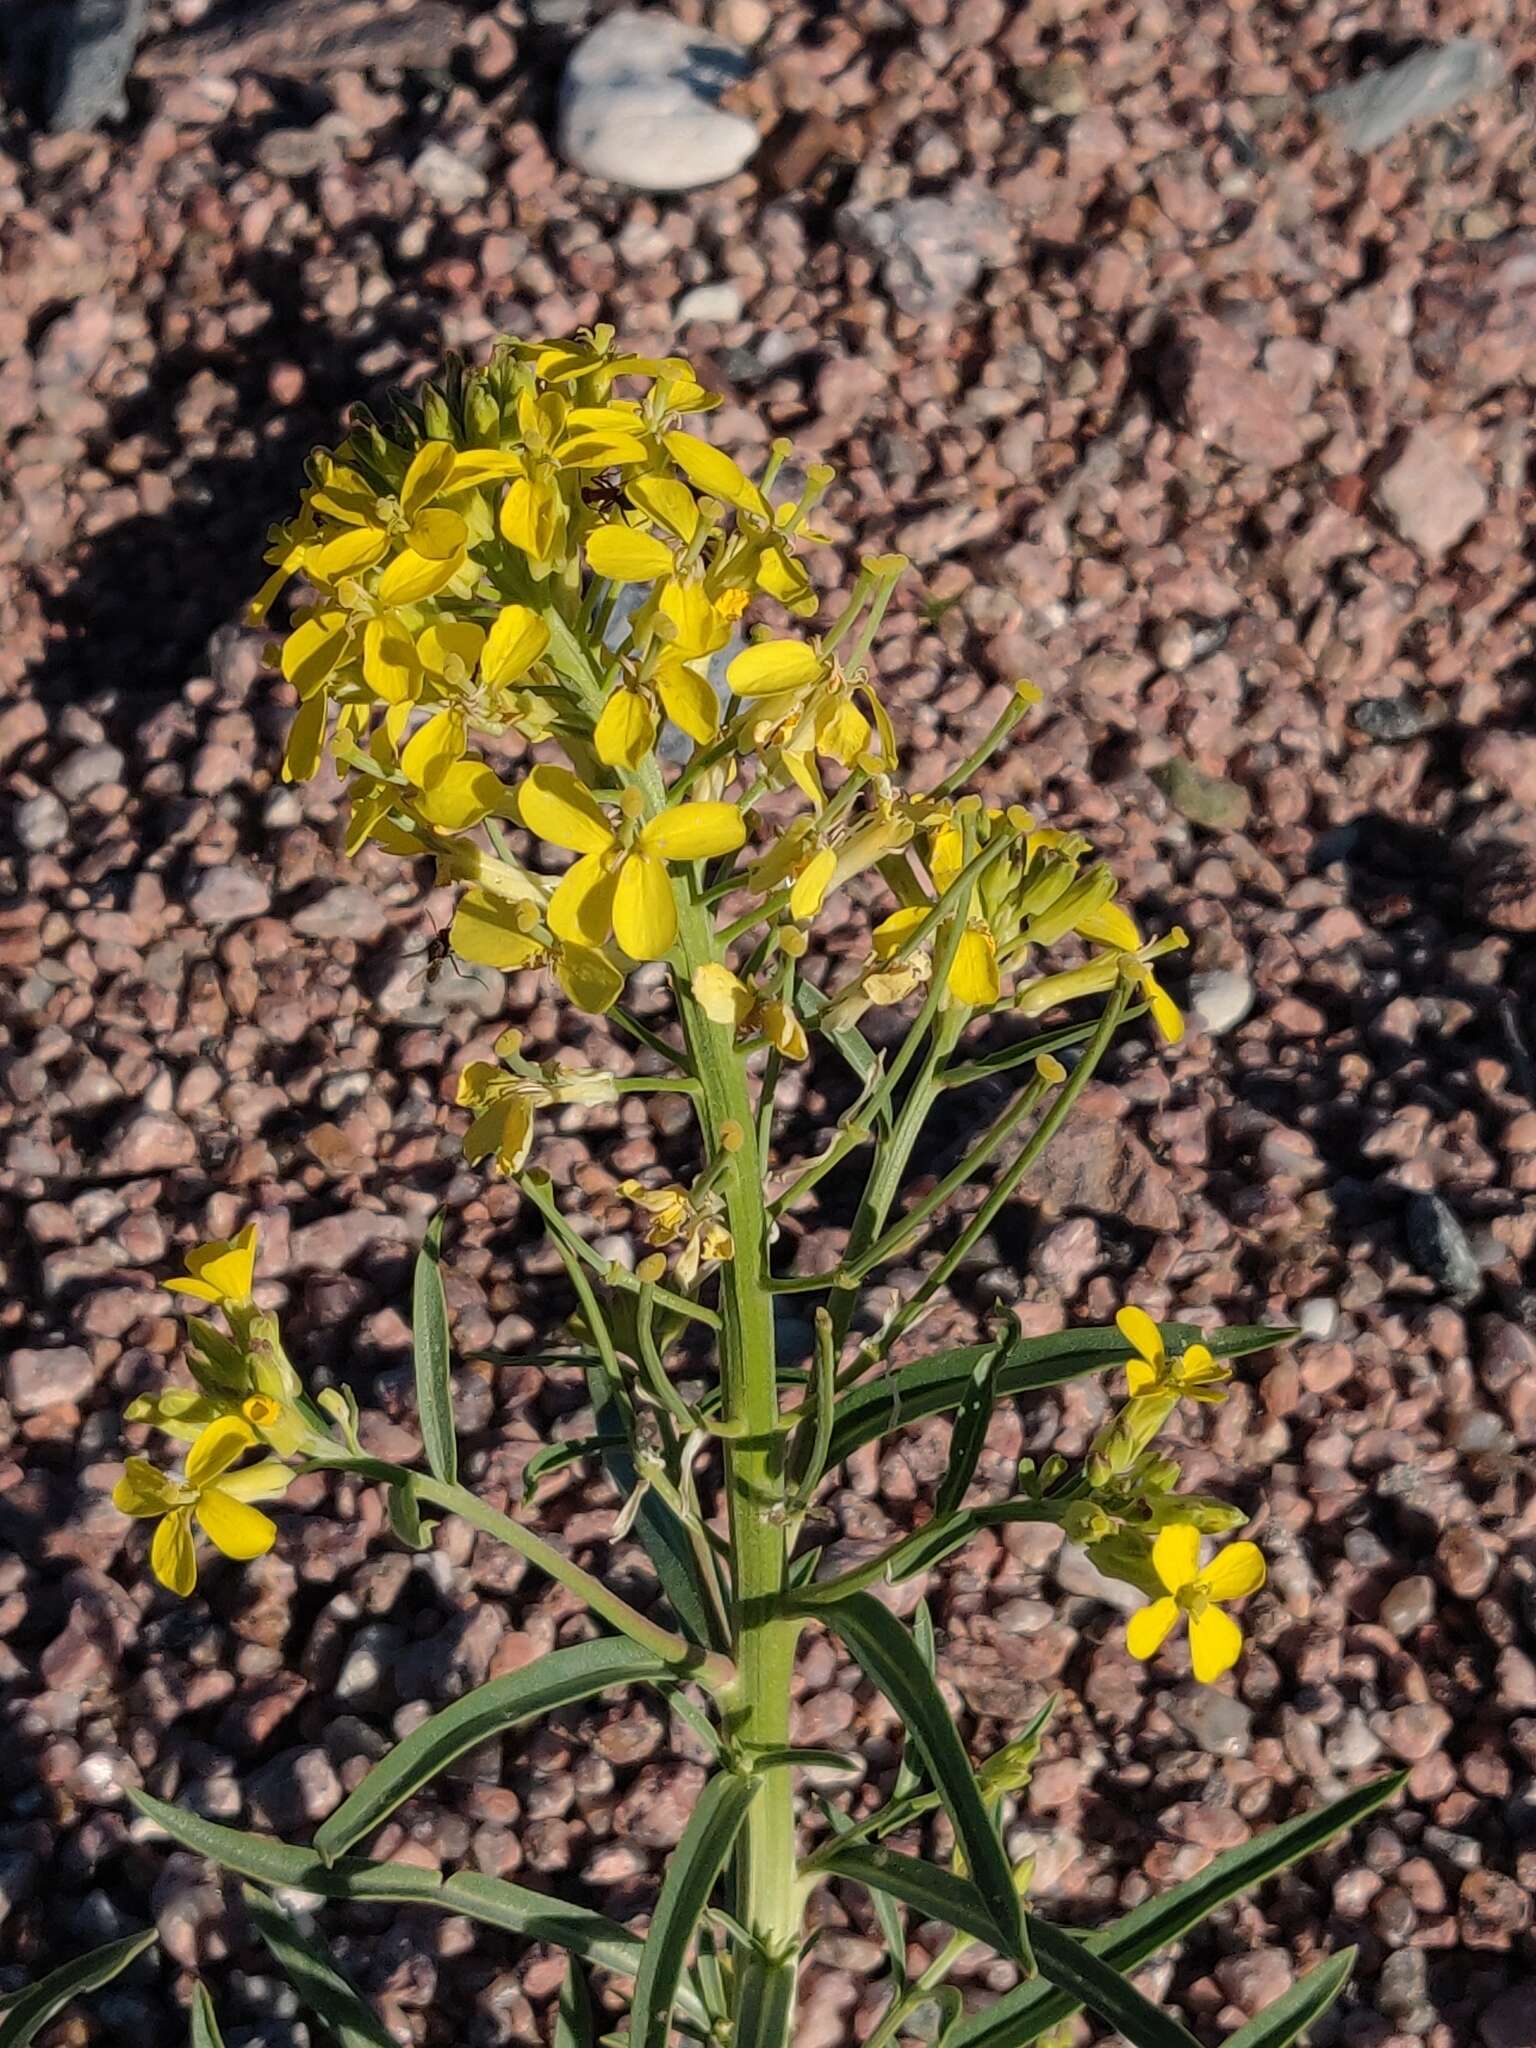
{"x": 1194, "y": 1372}
{"x": 1215, "y": 1640}
{"x": 809, "y": 707}
{"x": 505, "y": 1105}
{"x": 620, "y": 887}
{"x": 676, "y": 1216}
{"x": 218, "y": 1499}
{"x": 495, "y": 932}
{"x": 973, "y": 976}
{"x": 725, "y": 999}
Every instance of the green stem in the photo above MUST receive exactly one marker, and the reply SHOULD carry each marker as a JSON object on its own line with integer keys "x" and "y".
{"x": 919, "y": 1989}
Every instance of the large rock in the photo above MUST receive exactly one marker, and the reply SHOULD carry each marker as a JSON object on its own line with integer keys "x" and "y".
{"x": 71, "y": 59}
{"x": 639, "y": 105}
{"x": 932, "y": 250}
{"x": 1228, "y": 402}
{"x": 1369, "y": 112}
{"x": 1429, "y": 492}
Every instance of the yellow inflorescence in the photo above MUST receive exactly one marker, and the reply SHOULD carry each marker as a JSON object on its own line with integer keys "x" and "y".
{"x": 545, "y": 554}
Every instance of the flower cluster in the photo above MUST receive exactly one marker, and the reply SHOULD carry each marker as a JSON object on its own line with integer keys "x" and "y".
{"x": 538, "y": 601}
{"x": 246, "y": 1397}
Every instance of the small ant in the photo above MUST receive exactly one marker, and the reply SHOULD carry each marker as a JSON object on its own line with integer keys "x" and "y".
{"x": 605, "y": 493}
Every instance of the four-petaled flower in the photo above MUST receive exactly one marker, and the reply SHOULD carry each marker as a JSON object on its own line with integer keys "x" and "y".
{"x": 1215, "y": 1640}
{"x": 1194, "y": 1372}
{"x": 620, "y": 887}
{"x": 218, "y": 1499}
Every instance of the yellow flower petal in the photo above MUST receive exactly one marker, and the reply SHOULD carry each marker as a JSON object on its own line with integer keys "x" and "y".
{"x": 1166, "y": 1014}
{"x": 843, "y": 733}
{"x": 625, "y": 555}
{"x": 346, "y": 554}
{"x": 689, "y": 701}
{"x": 581, "y": 909}
{"x": 267, "y": 1479}
{"x": 451, "y": 643}
{"x": 1147, "y": 1630}
{"x": 1235, "y": 1572}
{"x": 668, "y": 502}
{"x": 513, "y": 645}
{"x": 1109, "y": 925}
{"x": 784, "y": 1031}
{"x": 1139, "y": 1330}
{"x": 313, "y": 650}
{"x": 714, "y": 473}
{"x": 892, "y": 933}
{"x": 476, "y": 467}
{"x": 306, "y": 740}
{"x": 530, "y": 517}
{"x": 432, "y": 748}
{"x": 516, "y": 1139}
{"x": 644, "y": 909}
{"x": 460, "y": 796}
{"x": 1176, "y": 1555}
{"x": 173, "y": 1555}
{"x": 143, "y": 1490}
{"x": 485, "y": 930}
{"x": 697, "y": 626}
{"x": 390, "y": 665}
{"x": 589, "y": 978}
{"x": 220, "y": 1444}
{"x": 227, "y": 1266}
{"x": 720, "y": 995}
{"x": 626, "y": 729}
{"x": 973, "y": 979}
{"x": 809, "y": 890}
{"x": 1215, "y": 1644}
{"x": 233, "y": 1526}
{"x": 1140, "y": 1377}
{"x": 694, "y": 832}
{"x": 439, "y": 535}
{"x": 412, "y": 577}
{"x": 431, "y": 467}
{"x": 770, "y": 667}
{"x": 555, "y": 806}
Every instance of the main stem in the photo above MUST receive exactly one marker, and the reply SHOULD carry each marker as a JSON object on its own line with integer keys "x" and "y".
{"x": 767, "y": 1901}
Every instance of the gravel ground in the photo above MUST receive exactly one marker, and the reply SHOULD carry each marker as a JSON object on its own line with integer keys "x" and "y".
{"x": 1218, "y": 430}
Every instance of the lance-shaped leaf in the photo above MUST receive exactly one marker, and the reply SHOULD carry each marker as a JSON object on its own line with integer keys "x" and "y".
{"x": 936, "y": 1385}
{"x": 573, "y": 2016}
{"x": 889, "y": 1657}
{"x": 321, "y": 1987}
{"x": 434, "y": 1376}
{"x": 1030, "y": 2009}
{"x": 936, "y": 1893}
{"x": 490, "y": 1710}
{"x": 491, "y": 1900}
{"x": 1278, "y": 2025}
{"x": 202, "y": 2022}
{"x": 970, "y": 1431}
{"x": 661, "y": 1535}
{"x": 35, "y": 2006}
{"x": 693, "y": 1869}
{"x": 1072, "y": 1967}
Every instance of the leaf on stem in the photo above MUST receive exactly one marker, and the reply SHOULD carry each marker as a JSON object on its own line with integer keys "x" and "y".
{"x": 321, "y": 1987}
{"x": 34, "y": 2007}
{"x": 203, "y": 2025}
{"x": 1278, "y": 2025}
{"x": 1073, "y": 1967}
{"x": 1020, "y": 2015}
{"x": 936, "y": 1893}
{"x": 889, "y": 1657}
{"x": 693, "y": 1869}
{"x": 434, "y": 1380}
{"x": 490, "y": 1710}
{"x": 573, "y": 2015}
{"x": 970, "y": 1430}
{"x": 934, "y": 1385}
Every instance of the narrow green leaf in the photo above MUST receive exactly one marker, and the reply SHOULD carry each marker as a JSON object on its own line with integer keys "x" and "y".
{"x": 573, "y": 2016}
{"x": 970, "y": 1431}
{"x": 434, "y": 1377}
{"x": 692, "y": 1871}
{"x": 888, "y": 1656}
{"x": 322, "y": 1989}
{"x": 405, "y": 1516}
{"x": 491, "y": 1900}
{"x": 661, "y": 1535}
{"x": 203, "y": 2030}
{"x": 38, "y": 2004}
{"x": 490, "y": 1710}
{"x": 1029, "y": 2009}
{"x": 936, "y": 1893}
{"x": 1278, "y": 2025}
{"x": 804, "y": 1760}
{"x": 555, "y": 1457}
{"x": 1072, "y": 1966}
{"x": 934, "y": 1386}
